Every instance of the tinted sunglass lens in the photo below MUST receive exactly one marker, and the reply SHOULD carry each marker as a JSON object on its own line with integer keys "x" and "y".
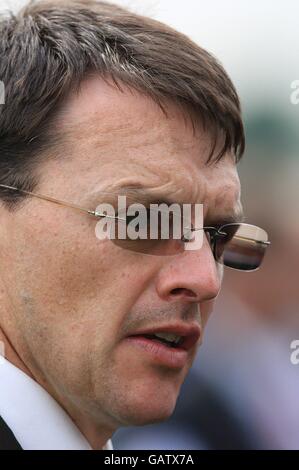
{"x": 242, "y": 246}
{"x": 145, "y": 233}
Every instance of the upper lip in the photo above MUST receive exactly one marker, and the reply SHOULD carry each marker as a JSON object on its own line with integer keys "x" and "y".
{"x": 190, "y": 333}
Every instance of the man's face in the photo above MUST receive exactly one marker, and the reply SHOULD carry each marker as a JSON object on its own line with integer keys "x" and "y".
{"x": 71, "y": 300}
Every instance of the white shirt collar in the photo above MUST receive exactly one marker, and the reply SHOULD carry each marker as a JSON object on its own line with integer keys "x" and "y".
{"x": 36, "y": 419}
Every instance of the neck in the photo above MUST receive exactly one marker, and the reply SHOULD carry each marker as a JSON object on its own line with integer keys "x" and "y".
{"x": 93, "y": 433}
{"x": 11, "y": 354}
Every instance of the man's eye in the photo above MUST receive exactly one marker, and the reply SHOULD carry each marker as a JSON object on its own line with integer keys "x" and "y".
{"x": 129, "y": 225}
{"x": 142, "y": 220}
{"x": 131, "y": 218}
{"x": 128, "y": 218}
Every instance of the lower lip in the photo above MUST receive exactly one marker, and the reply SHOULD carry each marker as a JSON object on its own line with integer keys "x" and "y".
{"x": 175, "y": 358}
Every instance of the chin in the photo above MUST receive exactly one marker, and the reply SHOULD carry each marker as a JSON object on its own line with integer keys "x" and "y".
{"x": 144, "y": 410}
{"x": 149, "y": 416}
{"x": 147, "y": 395}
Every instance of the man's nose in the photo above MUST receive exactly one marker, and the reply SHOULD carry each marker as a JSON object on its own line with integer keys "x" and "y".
{"x": 192, "y": 276}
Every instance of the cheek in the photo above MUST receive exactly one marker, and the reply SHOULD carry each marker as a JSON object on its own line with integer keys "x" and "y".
{"x": 77, "y": 284}
{"x": 75, "y": 293}
{"x": 206, "y": 309}
{"x": 68, "y": 265}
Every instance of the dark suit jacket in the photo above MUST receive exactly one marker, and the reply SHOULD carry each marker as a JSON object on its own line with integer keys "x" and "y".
{"x": 7, "y": 438}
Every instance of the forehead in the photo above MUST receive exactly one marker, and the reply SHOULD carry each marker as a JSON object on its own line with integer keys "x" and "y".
{"x": 123, "y": 139}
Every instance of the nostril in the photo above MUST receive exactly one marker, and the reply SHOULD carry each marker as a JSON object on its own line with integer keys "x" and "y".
{"x": 178, "y": 291}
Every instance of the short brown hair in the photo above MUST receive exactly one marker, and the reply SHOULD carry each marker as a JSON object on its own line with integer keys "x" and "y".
{"x": 48, "y": 48}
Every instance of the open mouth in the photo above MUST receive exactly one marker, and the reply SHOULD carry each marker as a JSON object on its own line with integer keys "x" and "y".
{"x": 170, "y": 348}
{"x": 168, "y": 339}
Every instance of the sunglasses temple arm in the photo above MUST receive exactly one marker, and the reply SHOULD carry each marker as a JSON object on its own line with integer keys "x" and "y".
{"x": 61, "y": 203}
{"x": 50, "y": 199}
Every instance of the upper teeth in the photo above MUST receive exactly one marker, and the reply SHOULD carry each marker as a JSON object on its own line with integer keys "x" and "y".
{"x": 169, "y": 337}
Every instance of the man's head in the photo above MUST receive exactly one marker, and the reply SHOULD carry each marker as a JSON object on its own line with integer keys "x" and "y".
{"x": 100, "y": 99}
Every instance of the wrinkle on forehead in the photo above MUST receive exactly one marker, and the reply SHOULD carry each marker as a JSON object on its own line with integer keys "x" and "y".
{"x": 180, "y": 178}
{"x": 103, "y": 115}
{"x": 124, "y": 138}
{"x": 219, "y": 191}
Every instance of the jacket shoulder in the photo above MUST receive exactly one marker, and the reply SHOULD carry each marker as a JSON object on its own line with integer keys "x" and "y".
{"x": 7, "y": 438}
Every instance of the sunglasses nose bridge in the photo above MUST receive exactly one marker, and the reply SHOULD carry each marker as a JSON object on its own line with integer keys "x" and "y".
{"x": 212, "y": 238}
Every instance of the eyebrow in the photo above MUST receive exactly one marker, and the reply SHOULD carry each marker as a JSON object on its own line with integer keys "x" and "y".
{"x": 145, "y": 196}
{"x": 138, "y": 194}
{"x": 219, "y": 220}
